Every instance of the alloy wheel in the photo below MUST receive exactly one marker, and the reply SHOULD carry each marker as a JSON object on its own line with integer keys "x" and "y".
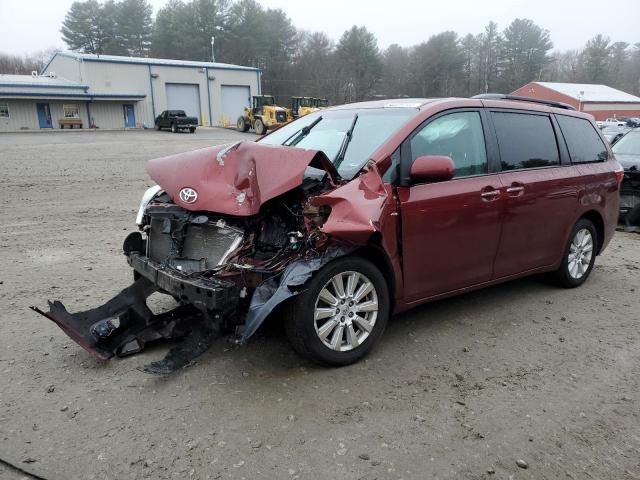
{"x": 580, "y": 253}
{"x": 345, "y": 311}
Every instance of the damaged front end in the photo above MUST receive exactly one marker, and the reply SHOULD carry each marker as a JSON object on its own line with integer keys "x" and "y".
{"x": 229, "y": 232}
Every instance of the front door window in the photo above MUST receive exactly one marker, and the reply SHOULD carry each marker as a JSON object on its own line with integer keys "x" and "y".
{"x": 456, "y": 135}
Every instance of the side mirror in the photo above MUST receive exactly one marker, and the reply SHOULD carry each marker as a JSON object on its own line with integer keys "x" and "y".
{"x": 432, "y": 168}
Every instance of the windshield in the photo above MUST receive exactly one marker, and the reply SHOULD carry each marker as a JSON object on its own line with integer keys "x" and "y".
{"x": 268, "y": 101}
{"x": 372, "y": 129}
{"x": 628, "y": 145}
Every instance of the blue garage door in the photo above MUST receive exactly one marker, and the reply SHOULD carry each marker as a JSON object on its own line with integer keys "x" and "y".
{"x": 184, "y": 96}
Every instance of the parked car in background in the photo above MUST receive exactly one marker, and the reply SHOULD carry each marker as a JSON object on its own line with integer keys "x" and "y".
{"x": 176, "y": 120}
{"x": 611, "y": 122}
{"x": 355, "y": 212}
{"x": 633, "y": 122}
{"x": 627, "y": 152}
{"x": 613, "y": 134}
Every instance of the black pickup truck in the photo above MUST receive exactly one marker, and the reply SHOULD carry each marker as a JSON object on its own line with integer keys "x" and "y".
{"x": 176, "y": 120}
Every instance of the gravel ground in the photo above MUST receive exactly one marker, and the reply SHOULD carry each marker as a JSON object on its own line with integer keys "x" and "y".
{"x": 464, "y": 388}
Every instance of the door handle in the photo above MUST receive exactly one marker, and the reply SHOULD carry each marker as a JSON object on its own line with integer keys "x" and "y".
{"x": 490, "y": 194}
{"x": 515, "y": 189}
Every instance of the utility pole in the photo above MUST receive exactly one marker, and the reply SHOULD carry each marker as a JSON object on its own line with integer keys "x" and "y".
{"x": 580, "y": 96}
{"x": 213, "y": 56}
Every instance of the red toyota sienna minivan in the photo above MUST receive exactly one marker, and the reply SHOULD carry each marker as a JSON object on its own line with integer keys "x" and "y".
{"x": 355, "y": 212}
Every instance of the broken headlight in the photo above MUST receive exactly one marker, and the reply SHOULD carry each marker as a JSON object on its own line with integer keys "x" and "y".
{"x": 146, "y": 198}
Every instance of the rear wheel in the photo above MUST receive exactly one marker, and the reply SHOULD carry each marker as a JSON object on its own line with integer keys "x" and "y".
{"x": 157, "y": 126}
{"x": 341, "y": 314}
{"x": 192, "y": 129}
{"x": 579, "y": 255}
{"x": 259, "y": 127}
{"x": 174, "y": 128}
{"x": 242, "y": 125}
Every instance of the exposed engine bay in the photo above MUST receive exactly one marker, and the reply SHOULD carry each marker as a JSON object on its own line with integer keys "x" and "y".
{"x": 229, "y": 232}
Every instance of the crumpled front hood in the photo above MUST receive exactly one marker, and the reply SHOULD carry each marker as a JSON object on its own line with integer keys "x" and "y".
{"x": 234, "y": 179}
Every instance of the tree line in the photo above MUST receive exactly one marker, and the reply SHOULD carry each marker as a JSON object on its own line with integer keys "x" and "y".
{"x": 296, "y": 62}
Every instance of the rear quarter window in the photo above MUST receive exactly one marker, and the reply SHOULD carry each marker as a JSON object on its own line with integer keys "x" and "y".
{"x": 525, "y": 140}
{"x": 583, "y": 141}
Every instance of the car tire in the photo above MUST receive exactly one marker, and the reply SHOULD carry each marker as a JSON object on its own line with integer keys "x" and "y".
{"x": 192, "y": 130}
{"x": 242, "y": 125}
{"x": 333, "y": 338}
{"x": 579, "y": 255}
{"x": 157, "y": 127}
{"x": 259, "y": 127}
{"x": 174, "y": 128}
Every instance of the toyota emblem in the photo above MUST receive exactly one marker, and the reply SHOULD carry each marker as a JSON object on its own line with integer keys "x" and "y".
{"x": 188, "y": 195}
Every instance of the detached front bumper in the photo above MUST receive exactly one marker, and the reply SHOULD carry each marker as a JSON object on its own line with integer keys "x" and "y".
{"x": 125, "y": 324}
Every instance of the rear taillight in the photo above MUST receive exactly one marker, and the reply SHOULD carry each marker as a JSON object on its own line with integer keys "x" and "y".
{"x": 619, "y": 175}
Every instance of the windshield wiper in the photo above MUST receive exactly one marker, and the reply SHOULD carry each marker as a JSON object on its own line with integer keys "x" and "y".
{"x": 303, "y": 132}
{"x": 345, "y": 143}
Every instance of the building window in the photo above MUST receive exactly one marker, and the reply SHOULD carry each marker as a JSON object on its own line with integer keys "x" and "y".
{"x": 71, "y": 110}
{"x": 4, "y": 110}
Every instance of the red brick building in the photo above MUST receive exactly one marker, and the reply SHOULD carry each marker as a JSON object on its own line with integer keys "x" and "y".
{"x": 599, "y": 100}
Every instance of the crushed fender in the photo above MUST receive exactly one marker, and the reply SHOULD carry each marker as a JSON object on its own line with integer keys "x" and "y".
{"x": 270, "y": 293}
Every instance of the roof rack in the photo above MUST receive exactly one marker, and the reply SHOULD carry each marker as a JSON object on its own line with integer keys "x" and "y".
{"x": 501, "y": 96}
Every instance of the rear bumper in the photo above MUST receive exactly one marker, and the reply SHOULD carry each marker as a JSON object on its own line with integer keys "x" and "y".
{"x": 206, "y": 295}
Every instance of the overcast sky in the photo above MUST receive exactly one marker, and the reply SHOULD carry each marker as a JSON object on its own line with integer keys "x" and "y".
{"x": 32, "y": 25}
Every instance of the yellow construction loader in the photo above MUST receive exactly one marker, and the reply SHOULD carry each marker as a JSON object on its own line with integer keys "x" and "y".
{"x": 320, "y": 103}
{"x": 301, "y": 106}
{"x": 262, "y": 115}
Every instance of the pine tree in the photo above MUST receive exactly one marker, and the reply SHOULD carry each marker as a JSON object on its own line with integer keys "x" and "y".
{"x": 80, "y": 28}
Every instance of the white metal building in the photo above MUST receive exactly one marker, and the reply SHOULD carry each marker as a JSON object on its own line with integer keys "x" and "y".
{"x": 31, "y": 102}
{"x": 110, "y": 91}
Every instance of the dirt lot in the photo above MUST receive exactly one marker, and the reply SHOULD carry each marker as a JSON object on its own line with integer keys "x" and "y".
{"x": 461, "y": 388}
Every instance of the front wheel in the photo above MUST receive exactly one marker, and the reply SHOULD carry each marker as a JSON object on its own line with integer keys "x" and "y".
{"x": 242, "y": 124}
{"x": 341, "y": 314}
{"x": 259, "y": 127}
{"x": 579, "y": 255}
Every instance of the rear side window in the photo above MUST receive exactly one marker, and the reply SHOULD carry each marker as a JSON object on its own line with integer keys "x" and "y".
{"x": 525, "y": 140}
{"x": 582, "y": 140}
